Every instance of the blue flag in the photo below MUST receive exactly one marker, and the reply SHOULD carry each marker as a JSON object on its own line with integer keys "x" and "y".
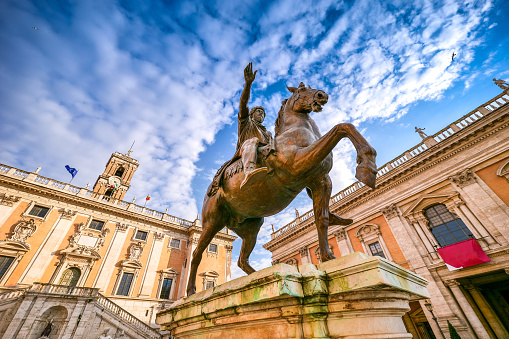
{"x": 71, "y": 170}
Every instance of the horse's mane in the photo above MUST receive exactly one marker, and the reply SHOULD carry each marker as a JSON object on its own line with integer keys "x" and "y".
{"x": 280, "y": 117}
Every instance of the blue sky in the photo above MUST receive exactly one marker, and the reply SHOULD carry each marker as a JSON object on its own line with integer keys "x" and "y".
{"x": 97, "y": 75}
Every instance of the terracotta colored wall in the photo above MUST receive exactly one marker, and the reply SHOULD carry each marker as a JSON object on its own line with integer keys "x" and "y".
{"x": 174, "y": 259}
{"x": 499, "y": 185}
{"x": 296, "y": 256}
{"x": 211, "y": 263}
{"x": 7, "y": 227}
{"x": 34, "y": 241}
{"x": 388, "y": 237}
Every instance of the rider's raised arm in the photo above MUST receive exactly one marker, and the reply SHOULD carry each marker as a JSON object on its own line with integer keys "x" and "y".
{"x": 249, "y": 77}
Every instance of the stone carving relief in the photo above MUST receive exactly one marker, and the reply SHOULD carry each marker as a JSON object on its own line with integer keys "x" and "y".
{"x": 68, "y": 214}
{"x": 503, "y": 170}
{"x": 463, "y": 178}
{"x": 23, "y": 231}
{"x": 340, "y": 234}
{"x": 292, "y": 261}
{"x": 303, "y": 251}
{"x": 390, "y": 211}
{"x": 122, "y": 227}
{"x": 158, "y": 236}
{"x": 84, "y": 242}
{"x": 135, "y": 251}
{"x": 275, "y": 262}
{"x": 9, "y": 200}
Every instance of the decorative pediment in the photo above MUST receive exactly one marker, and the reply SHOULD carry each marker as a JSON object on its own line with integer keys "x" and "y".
{"x": 210, "y": 274}
{"x": 170, "y": 271}
{"x": 130, "y": 263}
{"x": 367, "y": 230}
{"x": 9, "y": 246}
{"x": 85, "y": 252}
{"x": 427, "y": 200}
{"x": 503, "y": 170}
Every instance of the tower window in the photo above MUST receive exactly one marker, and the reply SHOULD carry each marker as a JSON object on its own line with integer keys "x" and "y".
{"x": 445, "y": 227}
{"x": 96, "y": 225}
{"x": 119, "y": 172}
{"x": 213, "y": 248}
{"x": 38, "y": 211}
{"x": 108, "y": 193}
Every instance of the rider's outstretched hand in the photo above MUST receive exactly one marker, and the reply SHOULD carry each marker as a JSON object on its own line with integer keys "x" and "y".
{"x": 249, "y": 76}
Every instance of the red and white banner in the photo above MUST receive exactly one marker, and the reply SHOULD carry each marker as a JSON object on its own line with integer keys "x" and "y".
{"x": 463, "y": 254}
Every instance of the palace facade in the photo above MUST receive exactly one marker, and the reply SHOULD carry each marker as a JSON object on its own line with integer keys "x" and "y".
{"x": 58, "y": 240}
{"x": 439, "y": 195}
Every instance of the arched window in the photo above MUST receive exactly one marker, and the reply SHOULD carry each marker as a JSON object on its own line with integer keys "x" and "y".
{"x": 119, "y": 172}
{"x": 108, "y": 193}
{"x": 70, "y": 277}
{"x": 445, "y": 226}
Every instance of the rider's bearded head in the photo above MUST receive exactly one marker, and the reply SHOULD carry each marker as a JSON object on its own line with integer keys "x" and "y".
{"x": 258, "y": 117}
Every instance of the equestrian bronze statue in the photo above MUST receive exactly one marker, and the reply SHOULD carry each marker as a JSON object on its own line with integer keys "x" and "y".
{"x": 266, "y": 173}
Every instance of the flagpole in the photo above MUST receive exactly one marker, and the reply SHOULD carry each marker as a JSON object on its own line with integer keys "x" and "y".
{"x": 72, "y": 176}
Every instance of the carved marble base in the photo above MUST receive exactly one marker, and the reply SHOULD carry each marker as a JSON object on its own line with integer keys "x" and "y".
{"x": 354, "y": 296}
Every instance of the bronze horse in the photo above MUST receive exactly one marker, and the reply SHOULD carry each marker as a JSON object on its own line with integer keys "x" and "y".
{"x": 302, "y": 159}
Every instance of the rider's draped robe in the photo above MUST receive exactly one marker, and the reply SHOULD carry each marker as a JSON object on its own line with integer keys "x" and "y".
{"x": 248, "y": 129}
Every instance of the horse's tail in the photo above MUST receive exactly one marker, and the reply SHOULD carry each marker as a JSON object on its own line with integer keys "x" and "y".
{"x": 279, "y": 119}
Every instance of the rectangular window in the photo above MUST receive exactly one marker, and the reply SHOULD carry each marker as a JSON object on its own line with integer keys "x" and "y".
{"x": 5, "y": 263}
{"x": 125, "y": 284}
{"x": 38, "y": 211}
{"x": 213, "y": 248}
{"x": 175, "y": 243}
{"x": 166, "y": 288}
{"x": 96, "y": 225}
{"x": 141, "y": 235}
{"x": 376, "y": 249}
{"x": 210, "y": 284}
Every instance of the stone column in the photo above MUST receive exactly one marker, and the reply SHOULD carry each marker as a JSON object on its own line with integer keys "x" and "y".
{"x": 304, "y": 255}
{"x": 344, "y": 245}
{"x": 407, "y": 242}
{"x": 191, "y": 246}
{"x": 42, "y": 258}
{"x": 149, "y": 277}
{"x": 110, "y": 259}
{"x": 466, "y": 183}
{"x": 467, "y": 309}
{"x": 488, "y": 312}
{"x": 419, "y": 222}
{"x": 228, "y": 265}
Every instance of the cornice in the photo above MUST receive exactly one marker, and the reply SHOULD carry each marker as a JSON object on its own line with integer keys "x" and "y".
{"x": 410, "y": 169}
{"x": 77, "y": 200}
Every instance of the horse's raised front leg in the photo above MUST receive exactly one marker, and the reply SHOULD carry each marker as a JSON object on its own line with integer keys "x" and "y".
{"x": 321, "y": 191}
{"x": 214, "y": 219}
{"x": 307, "y": 157}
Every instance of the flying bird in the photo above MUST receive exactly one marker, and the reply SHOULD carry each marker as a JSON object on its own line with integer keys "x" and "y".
{"x": 453, "y": 56}
{"x": 35, "y": 28}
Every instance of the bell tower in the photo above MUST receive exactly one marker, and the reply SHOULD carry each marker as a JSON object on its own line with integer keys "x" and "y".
{"x": 116, "y": 179}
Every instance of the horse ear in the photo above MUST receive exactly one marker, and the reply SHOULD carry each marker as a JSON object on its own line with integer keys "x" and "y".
{"x": 292, "y": 89}
{"x": 302, "y": 85}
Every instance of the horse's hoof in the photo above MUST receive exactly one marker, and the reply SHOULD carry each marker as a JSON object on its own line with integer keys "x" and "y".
{"x": 337, "y": 220}
{"x": 366, "y": 175}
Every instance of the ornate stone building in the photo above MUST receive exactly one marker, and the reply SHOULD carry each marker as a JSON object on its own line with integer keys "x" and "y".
{"x": 58, "y": 240}
{"x": 449, "y": 189}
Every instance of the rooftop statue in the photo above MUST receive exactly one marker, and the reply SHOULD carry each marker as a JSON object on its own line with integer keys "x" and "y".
{"x": 266, "y": 173}
{"x": 501, "y": 83}
{"x": 421, "y": 132}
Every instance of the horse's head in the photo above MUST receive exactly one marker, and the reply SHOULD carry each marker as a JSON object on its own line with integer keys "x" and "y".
{"x": 306, "y": 99}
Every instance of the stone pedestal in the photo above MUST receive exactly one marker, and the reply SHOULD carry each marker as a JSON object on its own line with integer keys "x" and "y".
{"x": 355, "y": 296}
